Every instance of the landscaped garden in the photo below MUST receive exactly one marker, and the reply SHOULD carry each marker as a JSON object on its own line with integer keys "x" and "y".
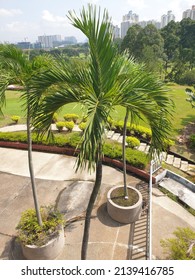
{"x": 183, "y": 119}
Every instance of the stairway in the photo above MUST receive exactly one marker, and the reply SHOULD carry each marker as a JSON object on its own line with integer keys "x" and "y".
{"x": 176, "y": 162}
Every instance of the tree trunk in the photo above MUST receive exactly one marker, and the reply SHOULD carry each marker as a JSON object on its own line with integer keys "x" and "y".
{"x": 90, "y": 206}
{"x": 31, "y": 170}
{"x": 124, "y": 154}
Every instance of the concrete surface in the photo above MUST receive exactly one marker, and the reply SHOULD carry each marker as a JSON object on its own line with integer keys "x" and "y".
{"x": 58, "y": 184}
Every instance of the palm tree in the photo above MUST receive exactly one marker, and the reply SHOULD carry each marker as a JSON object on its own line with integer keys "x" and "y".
{"x": 99, "y": 86}
{"x": 18, "y": 69}
{"x": 142, "y": 81}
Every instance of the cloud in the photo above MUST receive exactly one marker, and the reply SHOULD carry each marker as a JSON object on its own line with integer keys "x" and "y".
{"x": 10, "y": 13}
{"x": 49, "y": 17}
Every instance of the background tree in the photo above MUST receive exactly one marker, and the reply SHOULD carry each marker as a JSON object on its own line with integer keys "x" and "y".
{"x": 171, "y": 36}
{"x": 130, "y": 43}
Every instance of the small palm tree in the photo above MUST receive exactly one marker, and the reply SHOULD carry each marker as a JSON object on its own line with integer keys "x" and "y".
{"x": 98, "y": 86}
{"x": 18, "y": 69}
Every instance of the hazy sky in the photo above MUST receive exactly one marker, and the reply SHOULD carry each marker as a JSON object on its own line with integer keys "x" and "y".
{"x": 25, "y": 20}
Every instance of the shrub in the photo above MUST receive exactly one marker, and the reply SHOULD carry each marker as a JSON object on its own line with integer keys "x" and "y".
{"x": 71, "y": 117}
{"x": 182, "y": 246}
{"x": 132, "y": 142}
{"x": 55, "y": 118}
{"x": 136, "y": 158}
{"x": 168, "y": 143}
{"x": 69, "y": 125}
{"x": 15, "y": 118}
{"x": 119, "y": 125}
{"x": 82, "y": 126}
{"x": 74, "y": 139}
{"x": 30, "y": 232}
{"x": 187, "y": 78}
{"x": 60, "y": 126}
{"x": 112, "y": 150}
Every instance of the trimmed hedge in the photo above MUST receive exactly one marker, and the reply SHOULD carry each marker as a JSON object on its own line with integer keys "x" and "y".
{"x": 132, "y": 129}
{"x": 111, "y": 149}
{"x": 71, "y": 117}
{"x": 132, "y": 142}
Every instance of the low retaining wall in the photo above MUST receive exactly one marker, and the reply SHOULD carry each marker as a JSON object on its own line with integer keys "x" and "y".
{"x": 180, "y": 180}
{"x": 72, "y": 152}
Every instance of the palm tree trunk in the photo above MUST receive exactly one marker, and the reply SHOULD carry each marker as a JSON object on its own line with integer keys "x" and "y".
{"x": 124, "y": 154}
{"x": 31, "y": 169}
{"x": 92, "y": 199}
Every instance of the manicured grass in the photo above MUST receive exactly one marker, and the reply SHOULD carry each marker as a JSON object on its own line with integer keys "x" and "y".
{"x": 183, "y": 112}
{"x": 182, "y": 115}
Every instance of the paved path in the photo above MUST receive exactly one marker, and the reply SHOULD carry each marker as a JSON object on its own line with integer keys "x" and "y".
{"x": 57, "y": 181}
{"x": 58, "y": 184}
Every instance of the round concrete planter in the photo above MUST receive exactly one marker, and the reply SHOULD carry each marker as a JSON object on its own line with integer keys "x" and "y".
{"x": 124, "y": 214}
{"x": 49, "y": 251}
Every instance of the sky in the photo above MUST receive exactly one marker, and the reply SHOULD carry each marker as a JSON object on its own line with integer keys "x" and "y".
{"x": 25, "y": 20}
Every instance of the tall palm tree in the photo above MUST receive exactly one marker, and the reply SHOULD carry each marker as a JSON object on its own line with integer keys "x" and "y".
{"x": 18, "y": 69}
{"x": 99, "y": 86}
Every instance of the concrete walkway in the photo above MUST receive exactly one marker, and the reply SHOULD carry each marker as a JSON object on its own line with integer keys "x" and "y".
{"x": 57, "y": 183}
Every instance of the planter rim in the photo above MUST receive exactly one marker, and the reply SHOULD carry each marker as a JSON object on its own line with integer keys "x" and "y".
{"x": 123, "y": 207}
{"x": 47, "y": 243}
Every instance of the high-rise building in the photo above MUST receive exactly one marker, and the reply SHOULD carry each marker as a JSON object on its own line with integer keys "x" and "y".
{"x": 116, "y": 32}
{"x": 189, "y": 13}
{"x": 71, "y": 40}
{"x": 48, "y": 41}
{"x": 165, "y": 19}
{"x": 128, "y": 20}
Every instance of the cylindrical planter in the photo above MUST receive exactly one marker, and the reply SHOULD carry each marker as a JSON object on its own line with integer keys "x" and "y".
{"x": 49, "y": 251}
{"x": 124, "y": 214}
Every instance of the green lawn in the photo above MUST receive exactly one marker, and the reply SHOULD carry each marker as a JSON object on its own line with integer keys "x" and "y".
{"x": 183, "y": 114}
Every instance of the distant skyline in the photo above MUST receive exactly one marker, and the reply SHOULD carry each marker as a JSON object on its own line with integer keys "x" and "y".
{"x": 25, "y": 20}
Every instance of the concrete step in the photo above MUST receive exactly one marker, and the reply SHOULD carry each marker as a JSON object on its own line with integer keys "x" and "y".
{"x": 109, "y": 134}
{"x": 177, "y": 162}
{"x": 142, "y": 147}
{"x": 184, "y": 166}
{"x": 115, "y": 136}
{"x": 191, "y": 169}
{"x": 147, "y": 149}
{"x": 164, "y": 156}
{"x": 170, "y": 159}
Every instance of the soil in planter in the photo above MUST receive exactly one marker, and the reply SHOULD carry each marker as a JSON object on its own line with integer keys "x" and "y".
{"x": 118, "y": 197}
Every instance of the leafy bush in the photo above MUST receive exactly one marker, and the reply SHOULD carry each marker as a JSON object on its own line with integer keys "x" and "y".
{"x": 31, "y": 233}
{"x": 136, "y": 158}
{"x": 20, "y": 136}
{"x": 69, "y": 125}
{"x": 192, "y": 141}
{"x": 112, "y": 150}
{"x": 187, "y": 78}
{"x": 132, "y": 142}
{"x": 118, "y": 125}
{"x": 55, "y": 118}
{"x": 74, "y": 139}
{"x": 15, "y": 118}
{"x": 168, "y": 143}
{"x": 182, "y": 247}
{"x": 71, "y": 117}
{"x": 82, "y": 126}
{"x": 60, "y": 125}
